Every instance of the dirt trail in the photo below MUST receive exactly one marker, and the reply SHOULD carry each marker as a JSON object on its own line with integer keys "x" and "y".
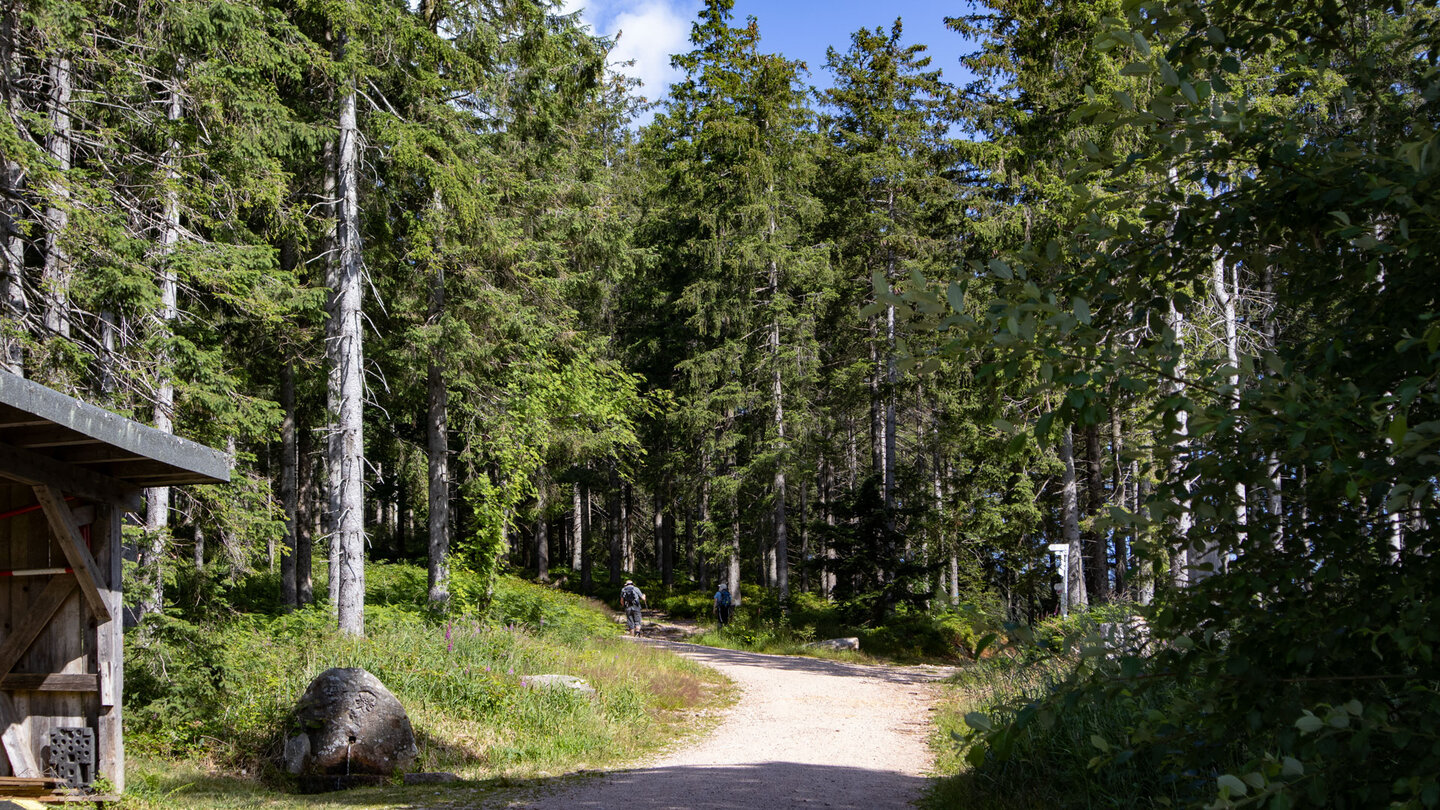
{"x": 805, "y": 733}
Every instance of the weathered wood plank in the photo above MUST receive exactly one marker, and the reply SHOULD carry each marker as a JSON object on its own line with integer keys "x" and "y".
{"x": 110, "y": 651}
{"x": 34, "y": 622}
{"x": 16, "y": 739}
{"x": 51, "y": 682}
{"x": 34, "y": 469}
{"x": 194, "y": 463}
{"x": 67, "y": 533}
{"x": 12, "y": 496}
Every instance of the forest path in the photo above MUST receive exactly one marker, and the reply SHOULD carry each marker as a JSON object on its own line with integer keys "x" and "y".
{"x": 805, "y": 732}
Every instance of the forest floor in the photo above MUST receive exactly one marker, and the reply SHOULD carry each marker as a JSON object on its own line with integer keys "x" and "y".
{"x": 805, "y": 732}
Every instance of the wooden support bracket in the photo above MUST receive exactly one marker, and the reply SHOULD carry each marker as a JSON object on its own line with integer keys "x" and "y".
{"x": 27, "y": 630}
{"x": 62, "y": 523}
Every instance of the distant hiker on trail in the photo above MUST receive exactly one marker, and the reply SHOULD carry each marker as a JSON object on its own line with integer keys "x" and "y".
{"x": 631, "y": 598}
{"x": 723, "y": 605}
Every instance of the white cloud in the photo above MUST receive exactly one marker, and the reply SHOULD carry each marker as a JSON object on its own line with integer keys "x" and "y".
{"x": 649, "y": 32}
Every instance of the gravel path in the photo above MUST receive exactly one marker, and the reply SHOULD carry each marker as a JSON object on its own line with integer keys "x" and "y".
{"x": 804, "y": 733}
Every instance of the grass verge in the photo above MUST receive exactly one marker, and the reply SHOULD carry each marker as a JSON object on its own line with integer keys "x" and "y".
{"x": 207, "y": 701}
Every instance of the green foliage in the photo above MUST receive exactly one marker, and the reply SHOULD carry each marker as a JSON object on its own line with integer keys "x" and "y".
{"x": 874, "y": 572}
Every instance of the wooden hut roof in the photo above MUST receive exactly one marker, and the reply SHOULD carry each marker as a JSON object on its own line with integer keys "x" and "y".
{"x": 49, "y": 438}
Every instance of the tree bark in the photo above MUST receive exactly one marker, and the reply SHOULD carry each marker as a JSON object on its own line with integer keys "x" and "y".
{"x": 346, "y": 384}
{"x": 289, "y": 486}
{"x": 157, "y": 511}
{"x": 1117, "y": 486}
{"x": 575, "y": 532}
{"x": 733, "y": 574}
{"x": 1211, "y": 560}
{"x": 542, "y": 533}
{"x": 1180, "y": 441}
{"x": 56, "y": 274}
{"x": 587, "y": 546}
{"x": 13, "y": 296}
{"x": 306, "y": 515}
{"x": 1098, "y": 567}
{"x": 437, "y": 437}
{"x": 616, "y": 551}
{"x": 627, "y": 538}
{"x": 1070, "y": 522}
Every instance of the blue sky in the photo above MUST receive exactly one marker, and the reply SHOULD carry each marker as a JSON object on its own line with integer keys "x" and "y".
{"x": 652, "y": 30}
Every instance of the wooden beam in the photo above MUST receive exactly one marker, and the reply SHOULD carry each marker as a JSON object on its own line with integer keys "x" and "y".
{"x": 198, "y": 463}
{"x": 18, "y": 745}
{"x": 67, "y": 533}
{"x": 45, "y": 436}
{"x": 24, "y": 633}
{"x": 34, "y": 469}
{"x": 50, "y": 682}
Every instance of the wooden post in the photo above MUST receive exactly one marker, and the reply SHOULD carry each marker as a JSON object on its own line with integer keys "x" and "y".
{"x": 109, "y": 650}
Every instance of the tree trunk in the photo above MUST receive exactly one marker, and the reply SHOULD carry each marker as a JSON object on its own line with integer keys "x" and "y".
{"x": 346, "y": 385}
{"x": 1225, "y": 292}
{"x": 1180, "y": 441}
{"x": 575, "y": 532}
{"x": 307, "y": 513}
{"x": 157, "y": 512}
{"x": 437, "y": 438}
{"x": 13, "y": 297}
{"x": 542, "y": 532}
{"x": 1098, "y": 567}
{"x": 1271, "y": 328}
{"x": 1117, "y": 486}
{"x": 667, "y": 525}
{"x": 587, "y": 554}
{"x": 1070, "y": 521}
{"x": 827, "y": 483}
{"x": 56, "y": 274}
{"x": 733, "y": 574}
{"x": 289, "y": 486}
{"x": 616, "y": 551}
{"x": 197, "y": 551}
{"x": 627, "y": 538}
{"x": 804, "y": 537}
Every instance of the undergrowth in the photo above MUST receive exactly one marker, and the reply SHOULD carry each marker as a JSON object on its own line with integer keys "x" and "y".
{"x": 215, "y": 692}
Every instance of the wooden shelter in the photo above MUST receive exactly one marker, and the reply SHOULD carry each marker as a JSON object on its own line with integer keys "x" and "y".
{"x": 68, "y": 473}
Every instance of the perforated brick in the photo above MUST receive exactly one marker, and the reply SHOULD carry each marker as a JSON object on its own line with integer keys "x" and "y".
{"x": 72, "y": 755}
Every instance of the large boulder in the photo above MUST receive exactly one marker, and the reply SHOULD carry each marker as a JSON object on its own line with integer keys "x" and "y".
{"x": 348, "y": 724}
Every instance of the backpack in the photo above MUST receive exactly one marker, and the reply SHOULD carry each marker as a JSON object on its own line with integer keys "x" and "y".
{"x": 630, "y": 596}
{"x": 723, "y": 598}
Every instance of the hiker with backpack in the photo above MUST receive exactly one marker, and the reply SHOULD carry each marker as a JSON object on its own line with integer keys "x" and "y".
{"x": 631, "y": 598}
{"x": 723, "y": 605}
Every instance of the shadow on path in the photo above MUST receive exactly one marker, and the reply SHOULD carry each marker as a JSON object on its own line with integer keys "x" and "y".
{"x": 765, "y": 786}
{"x": 904, "y": 675}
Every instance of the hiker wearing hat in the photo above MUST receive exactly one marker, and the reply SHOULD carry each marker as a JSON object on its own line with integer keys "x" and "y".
{"x": 631, "y": 598}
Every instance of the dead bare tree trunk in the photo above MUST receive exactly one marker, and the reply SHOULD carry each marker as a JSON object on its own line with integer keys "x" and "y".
{"x": 1070, "y": 521}
{"x": 437, "y": 437}
{"x": 55, "y": 276}
{"x": 1180, "y": 555}
{"x": 346, "y": 383}
{"x": 13, "y": 296}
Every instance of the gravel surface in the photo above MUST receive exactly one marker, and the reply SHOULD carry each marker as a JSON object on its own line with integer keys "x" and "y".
{"x": 805, "y": 733}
